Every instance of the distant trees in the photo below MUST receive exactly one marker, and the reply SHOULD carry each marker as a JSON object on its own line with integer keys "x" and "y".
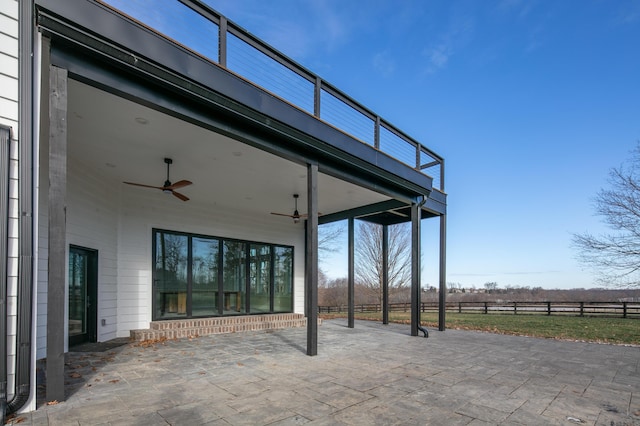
{"x": 492, "y": 286}
{"x": 615, "y": 256}
{"x": 333, "y": 293}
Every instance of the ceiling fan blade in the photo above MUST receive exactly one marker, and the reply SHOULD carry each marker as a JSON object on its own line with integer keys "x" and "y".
{"x": 179, "y": 184}
{"x": 143, "y": 185}
{"x": 179, "y": 195}
{"x": 283, "y": 214}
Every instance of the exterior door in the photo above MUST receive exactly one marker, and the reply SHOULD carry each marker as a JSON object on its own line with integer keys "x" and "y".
{"x": 83, "y": 301}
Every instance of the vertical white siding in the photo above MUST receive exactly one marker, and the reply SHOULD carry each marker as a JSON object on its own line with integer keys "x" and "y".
{"x": 9, "y": 117}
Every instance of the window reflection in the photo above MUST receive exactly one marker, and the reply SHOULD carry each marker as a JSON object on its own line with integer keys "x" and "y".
{"x": 260, "y": 279}
{"x": 283, "y": 275}
{"x": 204, "y": 291}
{"x": 171, "y": 275}
{"x": 234, "y": 276}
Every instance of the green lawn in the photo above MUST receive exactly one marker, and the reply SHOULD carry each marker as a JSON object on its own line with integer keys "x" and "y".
{"x": 604, "y": 330}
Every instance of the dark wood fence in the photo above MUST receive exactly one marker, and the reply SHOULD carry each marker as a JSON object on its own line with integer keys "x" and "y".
{"x": 591, "y": 309}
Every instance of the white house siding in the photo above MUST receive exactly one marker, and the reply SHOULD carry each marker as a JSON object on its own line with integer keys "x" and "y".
{"x": 9, "y": 117}
{"x": 92, "y": 222}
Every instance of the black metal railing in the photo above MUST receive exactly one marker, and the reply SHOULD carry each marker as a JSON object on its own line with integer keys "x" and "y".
{"x": 202, "y": 30}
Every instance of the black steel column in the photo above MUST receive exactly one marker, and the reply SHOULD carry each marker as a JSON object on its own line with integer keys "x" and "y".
{"x": 311, "y": 276}
{"x": 351, "y": 277}
{"x": 385, "y": 274}
{"x": 415, "y": 268}
{"x": 57, "y": 232}
{"x": 443, "y": 273}
{"x": 222, "y": 42}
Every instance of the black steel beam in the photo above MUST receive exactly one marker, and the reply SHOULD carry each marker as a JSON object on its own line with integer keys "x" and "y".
{"x": 415, "y": 268}
{"x": 394, "y": 217}
{"x": 222, "y": 42}
{"x": 311, "y": 264}
{"x": 385, "y": 274}
{"x": 351, "y": 274}
{"x": 361, "y": 212}
{"x": 442, "y": 299}
{"x": 57, "y": 201}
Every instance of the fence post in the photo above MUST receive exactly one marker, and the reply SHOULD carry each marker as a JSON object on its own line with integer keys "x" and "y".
{"x": 624, "y": 309}
{"x": 515, "y": 308}
{"x": 486, "y": 308}
{"x": 459, "y": 307}
{"x": 581, "y": 309}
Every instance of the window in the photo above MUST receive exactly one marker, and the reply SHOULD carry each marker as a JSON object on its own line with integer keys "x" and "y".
{"x": 234, "y": 273}
{"x": 260, "y": 278}
{"x": 204, "y": 275}
{"x": 200, "y": 276}
{"x": 283, "y": 279}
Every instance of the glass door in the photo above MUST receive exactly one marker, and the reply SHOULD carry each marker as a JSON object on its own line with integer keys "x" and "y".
{"x": 260, "y": 278}
{"x": 204, "y": 266}
{"x": 170, "y": 275}
{"x": 235, "y": 277}
{"x": 83, "y": 302}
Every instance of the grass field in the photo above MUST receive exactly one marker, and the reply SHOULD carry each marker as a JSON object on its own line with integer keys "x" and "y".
{"x": 603, "y": 330}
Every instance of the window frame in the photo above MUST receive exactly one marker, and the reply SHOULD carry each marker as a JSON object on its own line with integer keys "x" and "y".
{"x": 219, "y": 305}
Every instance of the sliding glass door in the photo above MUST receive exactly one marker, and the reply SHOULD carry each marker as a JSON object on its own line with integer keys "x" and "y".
{"x": 204, "y": 291}
{"x": 283, "y": 277}
{"x": 200, "y": 276}
{"x": 234, "y": 275}
{"x": 260, "y": 278}
{"x": 171, "y": 278}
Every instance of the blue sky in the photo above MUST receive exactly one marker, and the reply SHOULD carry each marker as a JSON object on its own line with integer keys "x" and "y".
{"x": 531, "y": 103}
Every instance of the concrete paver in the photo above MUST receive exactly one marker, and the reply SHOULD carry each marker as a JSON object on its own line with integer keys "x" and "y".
{"x": 372, "y": 374}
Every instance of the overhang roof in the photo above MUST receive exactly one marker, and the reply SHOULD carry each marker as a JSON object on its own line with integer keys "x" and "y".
{"x": 149, "y": 110}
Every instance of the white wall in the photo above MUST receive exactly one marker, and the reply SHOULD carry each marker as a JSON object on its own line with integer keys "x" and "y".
{"x": 92, "y": 222}
{"x": 9, "y": 117}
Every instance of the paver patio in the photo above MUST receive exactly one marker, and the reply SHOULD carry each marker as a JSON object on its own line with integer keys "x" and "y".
{"x": 373, "y": 374}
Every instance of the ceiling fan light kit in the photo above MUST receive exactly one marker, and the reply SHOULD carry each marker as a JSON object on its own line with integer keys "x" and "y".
{"x": 168, "y": 187}
{"x": 296, "y": 216}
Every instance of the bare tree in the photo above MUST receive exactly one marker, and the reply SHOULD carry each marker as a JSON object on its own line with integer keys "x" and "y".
{"x": 329, "y": 236}
{"x": 615, "y": 256}
{"x": 491, "y": 286}
{"x": 369, "y": 258}
{"x": 329, "y": 239}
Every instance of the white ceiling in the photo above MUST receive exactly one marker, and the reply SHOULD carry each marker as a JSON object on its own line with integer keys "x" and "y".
{"x": 126, "y": 141}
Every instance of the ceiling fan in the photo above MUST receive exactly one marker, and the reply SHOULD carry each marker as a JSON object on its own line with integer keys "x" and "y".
{"x": 296, "y": 216}
{"x": 168, "y": 187}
